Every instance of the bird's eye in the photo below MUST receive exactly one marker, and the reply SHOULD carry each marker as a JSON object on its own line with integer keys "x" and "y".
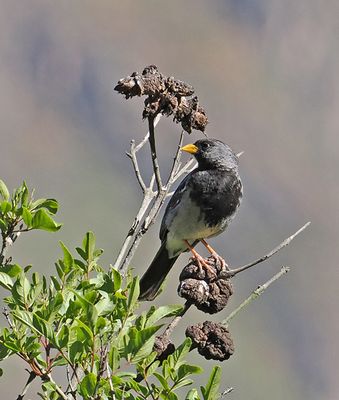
{"x": 205, "y": 146}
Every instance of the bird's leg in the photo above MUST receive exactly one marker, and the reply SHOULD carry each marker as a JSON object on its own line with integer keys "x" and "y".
{"x": 199, "y": 259}
{"x": 215, "y": 255}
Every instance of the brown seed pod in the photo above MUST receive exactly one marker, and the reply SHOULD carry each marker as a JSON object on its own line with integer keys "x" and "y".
{"x": 167, "y": 96}
{"x": 207, "y": 291}
{"x": 212, "y": 340}
{"x": 164, "y": 347}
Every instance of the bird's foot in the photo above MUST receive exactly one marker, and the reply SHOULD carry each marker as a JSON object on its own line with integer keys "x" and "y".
{"x": 203, "y": 264}
{"x": 220, "y": 260}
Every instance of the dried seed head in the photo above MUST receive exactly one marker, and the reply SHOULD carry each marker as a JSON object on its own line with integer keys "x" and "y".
{"x": 212, "y": 340}
{"x": 207, "y": 291}
{"x": 164, "y": 347}
{"x": 168, "y": 96}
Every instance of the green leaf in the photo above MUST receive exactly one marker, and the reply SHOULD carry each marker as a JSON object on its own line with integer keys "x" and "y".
{"x": 44, "y": 327}
{"x": 141, "y": 342}
{"x": 12, "y": 270}
{"x": 5, "y": 281}
{"x": 63, "y": 336}
{"x": 42, "y": 220}
{"x": 50, "y": 204}
{"x": 88, "y": 308}
{"x": 68, "y": 258}
{"x": 21, "y": 289}
{"x": 162, "y": 380}
{"x": 88, "y": 385}
{"x": 4, "y": 193}
{"x": 83, "y": 255}
{"x": 114, "y": 359}
{"x": 5, "y": 206}
{"x": 186, "y": 369}
{"x": 177, "y": 358}
{"x": 26, "y": 318}
{"x": 88, "y": 245}
{"x": 161, "y": 312}
{"x": 117, "y": 279}
{"x": 3, "y": 225}
{"x": 133, "y": 294}
{"x": 85, "y": 330}
{"x": 76, "y": 351}
{"x": 192, "y": 395}
{"x": 211, "y": 390}
{"x": 170, "y": 396}
{"x": 24, "y": 195}
{"x": 27, "y": 216}
{"x": 4, "y": 350}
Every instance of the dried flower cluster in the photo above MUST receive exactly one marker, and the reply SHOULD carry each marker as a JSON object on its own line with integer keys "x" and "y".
{"x": 212, "y": 340}
{"x": 163, "y": 347}
{"x": 208, "y": 292}
{"x": 165, "y": 95}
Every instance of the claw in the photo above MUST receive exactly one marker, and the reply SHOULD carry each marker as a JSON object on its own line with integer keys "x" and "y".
{"x": 215, "y": 255}
{"x": 201, "y": 262}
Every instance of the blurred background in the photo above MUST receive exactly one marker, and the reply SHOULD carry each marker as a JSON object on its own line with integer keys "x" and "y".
{"x": 266, "y": 72}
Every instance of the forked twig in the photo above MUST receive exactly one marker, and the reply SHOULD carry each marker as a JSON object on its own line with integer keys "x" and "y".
{"x": 150, "y": 208}
{"x": 255, "y": 294}
{"x": 283, "y": 244}
{"x": 32, "y": 376}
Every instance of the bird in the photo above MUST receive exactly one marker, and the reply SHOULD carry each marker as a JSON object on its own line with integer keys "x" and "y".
{"x": 202, "y": 206}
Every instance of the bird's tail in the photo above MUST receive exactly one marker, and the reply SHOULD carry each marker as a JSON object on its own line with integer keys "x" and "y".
{"x": 155, "y": 275}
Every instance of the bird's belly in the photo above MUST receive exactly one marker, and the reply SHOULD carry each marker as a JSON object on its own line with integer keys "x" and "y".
{"x": 188, "y": 224}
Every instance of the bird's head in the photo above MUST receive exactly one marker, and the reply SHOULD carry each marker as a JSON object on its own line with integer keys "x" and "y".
{"x": 212, "y": 154}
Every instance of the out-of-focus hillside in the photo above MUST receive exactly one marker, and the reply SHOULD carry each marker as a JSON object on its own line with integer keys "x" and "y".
{"x": 267, "y": 74}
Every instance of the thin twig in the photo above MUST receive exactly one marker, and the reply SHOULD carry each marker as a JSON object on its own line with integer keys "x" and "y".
{"x": 32, "y": 376}
{"x": 170, "y": 327}
{"x": 255, "y": 294}
{"x": 147, "y": 199}
{"x": 283, "y": 244}
{"x": 6, "y": 315}
{"x": 119, "y": 263}
{"x": 226, "y": 392}
{"x": 176, "y": 161}
{"x": 186, "y": 169}
{"x": 70, "y": 382}
{"x": 152, "y": 212}
{"x": 132, "y": 155}
{"x": 155, "y": 162}
{"x": 49, "y": 378}
{"x": 109, "y": 376}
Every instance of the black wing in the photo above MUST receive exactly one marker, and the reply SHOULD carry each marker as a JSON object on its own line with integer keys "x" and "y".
{"x": 174, "y": 202}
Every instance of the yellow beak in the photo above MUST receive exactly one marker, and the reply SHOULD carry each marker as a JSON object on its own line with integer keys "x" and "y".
{"x": 190, "y": 148}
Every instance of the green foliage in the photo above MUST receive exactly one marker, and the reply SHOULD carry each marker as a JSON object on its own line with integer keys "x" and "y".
{"x": 85, "y": 320}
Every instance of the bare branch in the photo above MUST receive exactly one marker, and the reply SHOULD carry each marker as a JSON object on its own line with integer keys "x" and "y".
{"x": 186, "y": 169}
{"x": 155, "y": 162}
{"x": 226, "y": 392}
{"x": 133, "y": 157}
{"x": 32, "y": 376}
{"x": 147, "y": 199}
{"x": 134, "y": 227}
{"x": 170, "y": 327}
{"x": 109, "y": 376}
{"x": 70, "y": 387}
{"x": 49, "y": 378}
{"x": 255, "y": 294}
{"x": 283, "y": 244}
{"x": 152, "y": 212}
{"x": 176, "y": 161}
